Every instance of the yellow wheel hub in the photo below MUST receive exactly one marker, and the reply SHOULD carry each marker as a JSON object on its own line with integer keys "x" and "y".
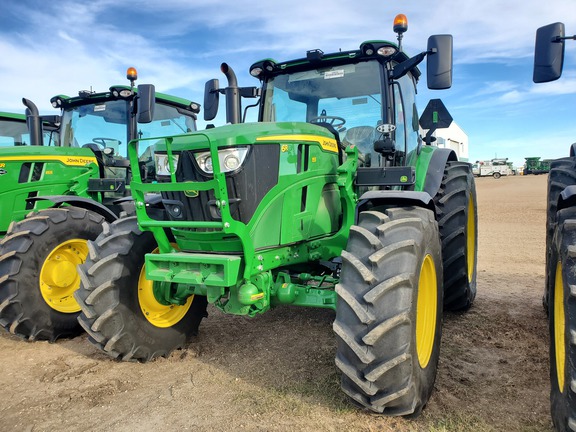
{"x": 426, "y": 311}
{"x": 559, "y": 327}
{"x": 59, "y": 278}
{"x": 471, "y": 239}
{"x": 156, "y": 313}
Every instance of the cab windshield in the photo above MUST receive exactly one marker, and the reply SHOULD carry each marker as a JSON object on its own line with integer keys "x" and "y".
{"x": 106, "y": 125}
{"x": 15, "y": 133}
{"x": 349, "y": 97}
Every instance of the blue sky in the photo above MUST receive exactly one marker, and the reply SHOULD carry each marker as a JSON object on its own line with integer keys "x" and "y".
{"x": 62, "y": 47}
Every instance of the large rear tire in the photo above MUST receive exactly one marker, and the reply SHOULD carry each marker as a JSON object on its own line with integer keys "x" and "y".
{"x": 389, "y": 312}
{"x": 562, "y": 322}
{"x": 119, "y": 310}
{"x": 38, "y": 259}
{"x": 562, "y": 174}
{"x": 458, "y": 223}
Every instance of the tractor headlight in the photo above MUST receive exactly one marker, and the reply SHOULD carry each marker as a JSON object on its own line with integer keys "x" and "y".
{"x": 162, "y": 163}
{"x": 230, "y": 159}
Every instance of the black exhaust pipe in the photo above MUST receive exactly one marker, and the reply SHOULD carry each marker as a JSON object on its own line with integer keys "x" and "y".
{"x": 34, "y": 122}
{"x": 232, "y": 95}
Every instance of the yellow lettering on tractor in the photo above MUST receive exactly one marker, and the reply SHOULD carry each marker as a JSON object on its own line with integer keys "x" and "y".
{"x": 327, "y": 144}
{"x": 66, "y": 160}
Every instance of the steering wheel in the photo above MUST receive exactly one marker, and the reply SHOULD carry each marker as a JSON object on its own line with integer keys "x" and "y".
{"x": 103, "y": 141}
{"x": 335, "y": 121}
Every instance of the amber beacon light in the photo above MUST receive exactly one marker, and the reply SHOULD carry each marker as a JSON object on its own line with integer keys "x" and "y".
{"x": 131, "y": 74}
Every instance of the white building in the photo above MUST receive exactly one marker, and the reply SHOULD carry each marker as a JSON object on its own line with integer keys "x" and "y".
{"x": 453, "y": 138}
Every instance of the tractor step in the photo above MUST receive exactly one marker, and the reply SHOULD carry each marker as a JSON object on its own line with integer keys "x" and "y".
{"x": 388, "y": 176}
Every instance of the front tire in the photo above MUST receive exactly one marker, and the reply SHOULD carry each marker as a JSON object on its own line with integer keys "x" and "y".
{"x": 458, "y": 223}
{"x": 562, "y": 322}
{"x": 38, "y": 259}
{"x": 119, "y": 310}
{"x": 389, "y": 312}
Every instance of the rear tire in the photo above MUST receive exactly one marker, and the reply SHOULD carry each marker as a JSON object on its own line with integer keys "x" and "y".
{"x": 562, "y": 322}
{"x": 389, "y": 312}
{"x": 458, "y": 221}
{"x": 38, "y": 276}
{"x": 119, "y": 311}
{"x": 497, "y": 175}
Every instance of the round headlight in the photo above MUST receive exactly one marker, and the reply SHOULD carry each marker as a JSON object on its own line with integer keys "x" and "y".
{"x": 231, "y": 162}
{"x": 256, "y": 71}
{"x": 208, "y": 164}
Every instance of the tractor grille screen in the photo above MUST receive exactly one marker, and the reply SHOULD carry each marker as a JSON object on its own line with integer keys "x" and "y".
{"x": 246, "y": 186}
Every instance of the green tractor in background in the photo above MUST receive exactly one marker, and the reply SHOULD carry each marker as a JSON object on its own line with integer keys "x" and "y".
{"x": 56, "y": 198}
{"x": 330, "y": 200}
{"x": 559, "y": 293}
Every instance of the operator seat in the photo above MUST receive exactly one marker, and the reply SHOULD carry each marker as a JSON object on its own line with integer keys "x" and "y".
{"x": 363, "y": 138}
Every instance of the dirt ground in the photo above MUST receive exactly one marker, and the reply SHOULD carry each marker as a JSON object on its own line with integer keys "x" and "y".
{"x": 276, "y": 372}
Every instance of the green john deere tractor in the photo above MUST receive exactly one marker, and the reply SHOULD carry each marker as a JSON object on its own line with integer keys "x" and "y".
{"x": 55, "y": 198}
{"x": 559, "y": 293}
{"x": 331, "y": 200}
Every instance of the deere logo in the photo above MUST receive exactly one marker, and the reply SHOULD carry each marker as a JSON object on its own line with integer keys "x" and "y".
{"x": 403, "y": 179}
{"x": 191, "y": 193}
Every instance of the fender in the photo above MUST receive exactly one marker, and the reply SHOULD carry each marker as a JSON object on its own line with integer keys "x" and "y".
{"x": 86, "y": 203}
{"x": 567, "y": 198}
{"x": 394, "y": 197}
{"x": 573, "y": 150}
{"x": 435, "y": 170}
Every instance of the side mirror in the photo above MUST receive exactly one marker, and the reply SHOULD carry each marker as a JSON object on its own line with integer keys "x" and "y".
{"x": 439, "y": 62}
{"x": 146, "y": 103}
{"x": 548, "y": 53}
{"x": 211, "y": 99}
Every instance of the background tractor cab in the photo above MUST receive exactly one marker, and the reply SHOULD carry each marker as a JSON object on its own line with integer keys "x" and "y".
{"x": 14, "y": 130}
{"x": 100, "y": 125}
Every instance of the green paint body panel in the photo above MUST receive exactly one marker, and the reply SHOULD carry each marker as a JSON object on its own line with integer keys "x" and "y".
{"x": 36, "y": 171}
{"x": 421, "y": 163}
{"x": 288, "y": 228}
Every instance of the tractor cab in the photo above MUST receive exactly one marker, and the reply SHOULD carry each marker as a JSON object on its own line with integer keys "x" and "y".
{"x": 105, "y": 122}
{"x": 90, "y": 160}
{"x": 364, "y": 97}
{"x": 14, "y": 131}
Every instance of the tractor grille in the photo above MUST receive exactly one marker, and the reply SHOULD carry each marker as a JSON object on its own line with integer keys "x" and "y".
{"x": 247, "y": 186}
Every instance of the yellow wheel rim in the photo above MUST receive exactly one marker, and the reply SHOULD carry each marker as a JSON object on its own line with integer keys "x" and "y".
{"x": 157, "y": 314}
{"x": 426, "y": 311}
{"x": 59, "y": 277}
{"x": 559, "y": 327}
{"x": 471, "y": 239}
